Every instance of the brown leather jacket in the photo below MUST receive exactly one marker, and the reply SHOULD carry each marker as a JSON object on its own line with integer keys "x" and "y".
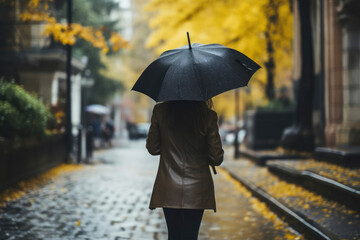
{"x": 184, "y": 179}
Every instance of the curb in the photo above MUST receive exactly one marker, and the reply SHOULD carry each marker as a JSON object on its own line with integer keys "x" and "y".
{"x": 310, "y": 229}
{"x": 261, "y": 159}
{"x": 337, "y": 156}
{"x": 320, "y": 184}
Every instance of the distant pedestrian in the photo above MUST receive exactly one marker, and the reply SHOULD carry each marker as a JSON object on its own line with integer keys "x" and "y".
{"x": 96, "y": 126}
{"x": 185, "y": 135}
{"x": 108, "y": 131}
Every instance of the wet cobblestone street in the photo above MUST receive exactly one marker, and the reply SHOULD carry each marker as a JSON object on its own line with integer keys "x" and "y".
{"x": 109, "y": 200}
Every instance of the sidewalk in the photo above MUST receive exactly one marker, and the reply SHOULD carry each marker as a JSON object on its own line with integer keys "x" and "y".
{"x": 109, "y": 200}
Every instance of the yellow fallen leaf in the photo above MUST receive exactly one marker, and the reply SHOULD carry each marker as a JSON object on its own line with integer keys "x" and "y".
{"x": 31, "y": 184}
{"x": 290, "y": 236}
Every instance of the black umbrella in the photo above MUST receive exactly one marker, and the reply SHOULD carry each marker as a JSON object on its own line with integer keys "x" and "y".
{"x": 195, "y": 72}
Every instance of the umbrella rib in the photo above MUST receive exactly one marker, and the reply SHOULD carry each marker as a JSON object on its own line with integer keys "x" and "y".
{"x": 166, "y": 73}
{"x": 170, "y": 53}
{"x": 197, "y": 74}
{"x": 225, "y": 62}
{"x": 211, "y": 46}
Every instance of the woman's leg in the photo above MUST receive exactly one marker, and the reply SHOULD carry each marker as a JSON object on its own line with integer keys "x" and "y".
{"x": 183, "y": 224}
{"x": 174, "y": 223}
{"x": 191, "y": 223}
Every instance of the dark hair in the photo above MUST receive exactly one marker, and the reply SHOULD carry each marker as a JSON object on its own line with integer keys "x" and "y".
{"x": 188, "y": 115}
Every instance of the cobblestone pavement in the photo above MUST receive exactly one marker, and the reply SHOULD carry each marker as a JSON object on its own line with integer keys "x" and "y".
{"x": 109, "y": 200}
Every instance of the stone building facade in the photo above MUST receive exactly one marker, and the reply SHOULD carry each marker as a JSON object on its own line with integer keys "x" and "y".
{"x": 349, "y": 20}
{"x": 336, "y": 43}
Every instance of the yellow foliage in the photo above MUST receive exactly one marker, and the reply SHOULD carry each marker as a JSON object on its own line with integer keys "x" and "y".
{"x": 117, "y": 41}
{"x": 241, "y": 25}
{"x": 33, "y": 3}
{"x": 38, "y": 11}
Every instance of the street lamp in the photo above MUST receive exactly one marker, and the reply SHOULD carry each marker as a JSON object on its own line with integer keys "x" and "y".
{"x": 237, "y": 118}
{"x": 69, "y": 136}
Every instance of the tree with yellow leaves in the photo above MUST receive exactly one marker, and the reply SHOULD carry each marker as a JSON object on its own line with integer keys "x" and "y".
{"x": 93, "y": 29}
{"x": 39, "y": 11}
{"x": 261, "y": 29}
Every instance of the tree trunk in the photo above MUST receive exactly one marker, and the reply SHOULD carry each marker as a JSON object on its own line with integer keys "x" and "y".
{"x": 270, "y": 68}
{"x": 272, "y": 21}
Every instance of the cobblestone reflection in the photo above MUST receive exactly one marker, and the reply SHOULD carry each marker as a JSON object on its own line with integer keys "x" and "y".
{"x": 109, "y": 200}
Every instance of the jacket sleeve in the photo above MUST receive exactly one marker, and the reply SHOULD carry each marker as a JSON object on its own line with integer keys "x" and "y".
{"x": 216, "y": 153}
{"x": 153, "y": 140}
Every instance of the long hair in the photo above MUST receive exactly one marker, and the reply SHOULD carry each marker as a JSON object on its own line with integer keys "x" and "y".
{"x": 188, "y": 115}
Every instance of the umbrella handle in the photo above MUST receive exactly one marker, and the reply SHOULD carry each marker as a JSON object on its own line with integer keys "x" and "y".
{"x": 214, "y": 170}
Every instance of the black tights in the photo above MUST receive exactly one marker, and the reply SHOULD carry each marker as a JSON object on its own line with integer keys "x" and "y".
{"x": 183, "y": 224}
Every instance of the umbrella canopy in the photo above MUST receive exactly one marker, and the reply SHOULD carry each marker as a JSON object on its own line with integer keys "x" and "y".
{"x": 195, "y": 72}
{"x": 97, "y": 109}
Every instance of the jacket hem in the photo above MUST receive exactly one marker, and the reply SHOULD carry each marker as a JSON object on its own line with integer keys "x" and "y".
{"x": 182, "y": 207}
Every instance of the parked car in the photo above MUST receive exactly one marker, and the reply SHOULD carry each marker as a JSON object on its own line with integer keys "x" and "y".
{"x": 142, "y": 130}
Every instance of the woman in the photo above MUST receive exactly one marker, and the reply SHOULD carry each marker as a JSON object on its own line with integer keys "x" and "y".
{"x": 185, "y": 135}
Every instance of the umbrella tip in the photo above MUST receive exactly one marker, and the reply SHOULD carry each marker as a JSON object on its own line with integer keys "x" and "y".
{"x": 188, "y": 37}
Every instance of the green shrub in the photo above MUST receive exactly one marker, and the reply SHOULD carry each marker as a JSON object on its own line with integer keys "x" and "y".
{"x": 21, "y": 113}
